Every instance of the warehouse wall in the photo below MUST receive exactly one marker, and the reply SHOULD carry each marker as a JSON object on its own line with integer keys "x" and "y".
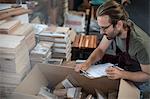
{"x": 139, "y": 12}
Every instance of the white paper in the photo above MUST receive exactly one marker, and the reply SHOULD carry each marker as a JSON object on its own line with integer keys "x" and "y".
{"x": 96, "y": 71}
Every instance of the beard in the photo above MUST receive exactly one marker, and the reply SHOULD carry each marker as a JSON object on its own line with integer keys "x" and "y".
{"x": 110, "y": 37}
{"x": 113, "y": 35}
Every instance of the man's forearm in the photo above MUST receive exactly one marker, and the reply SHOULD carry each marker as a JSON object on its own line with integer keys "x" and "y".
{"x": 96, "y": 55}
{"x": 135, "y": 76}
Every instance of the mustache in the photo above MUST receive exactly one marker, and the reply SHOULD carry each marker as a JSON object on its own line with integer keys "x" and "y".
{"x": 109, "y": 38}
{"x": 105, "y": 34}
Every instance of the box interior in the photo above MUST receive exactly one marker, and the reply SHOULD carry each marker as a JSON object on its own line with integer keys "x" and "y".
{"x": 44, "y": 74}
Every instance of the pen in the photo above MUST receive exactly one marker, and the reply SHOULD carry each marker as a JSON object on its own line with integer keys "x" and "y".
{"x": 86, "y": 74}
{"x": 116, "y": 66}
{"x": 83, "y": 72}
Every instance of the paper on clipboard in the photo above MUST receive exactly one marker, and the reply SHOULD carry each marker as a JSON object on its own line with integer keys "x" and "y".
{"x": 96, "y": 71}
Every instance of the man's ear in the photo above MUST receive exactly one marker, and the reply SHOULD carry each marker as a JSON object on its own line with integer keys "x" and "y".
{"x": 119, "y": 24}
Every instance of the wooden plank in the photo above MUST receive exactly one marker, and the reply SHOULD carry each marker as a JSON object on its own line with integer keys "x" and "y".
{"x": 9, "y": 41}
{"x": 13, "y": 13}
{"x": 76, "y": 41}
{"x": 94, "y": 42}
{"x": 9, "y": 26}
{"x": 23, "y": 30}
{"x": 62, "y": 29}
{"x": 85, "y": 41}
{"x": 3, "y": 11}
{"x": 80, "y": 42}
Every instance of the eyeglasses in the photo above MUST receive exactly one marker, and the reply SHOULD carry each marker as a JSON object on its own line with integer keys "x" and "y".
{"x": 105, "y": 27}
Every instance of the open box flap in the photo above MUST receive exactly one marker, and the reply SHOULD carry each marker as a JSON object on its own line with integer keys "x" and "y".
{"x": 44, "y": 74}
{"x": 128, "y": 91}
{"x": 32, "y": 83}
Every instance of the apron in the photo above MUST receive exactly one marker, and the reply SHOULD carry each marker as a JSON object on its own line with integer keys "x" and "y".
{"x": 123, "y": 59}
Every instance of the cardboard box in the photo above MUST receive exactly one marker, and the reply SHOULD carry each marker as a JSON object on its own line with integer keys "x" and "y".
{"x": 44, "y": 74}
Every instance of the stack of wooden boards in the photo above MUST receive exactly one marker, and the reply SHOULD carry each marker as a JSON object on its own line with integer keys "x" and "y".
{"x": 61, "y": 37}
{"x": 11, "y": 12}
{"x": 7, "y": 27}
{"x": 14, "y": 62}
{"x": 16, "y": 40}
{"x": 14, "y": 27}
{"x": 85, "y": 41}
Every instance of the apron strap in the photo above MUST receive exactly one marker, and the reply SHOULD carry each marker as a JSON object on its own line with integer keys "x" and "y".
{"x": 127, "y": 40}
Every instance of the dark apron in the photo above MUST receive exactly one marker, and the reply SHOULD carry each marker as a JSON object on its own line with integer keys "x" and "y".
{"x": 124, "y": 60}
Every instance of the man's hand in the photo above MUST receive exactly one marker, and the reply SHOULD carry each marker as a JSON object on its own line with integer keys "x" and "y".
{"x": 83, "y": 66}
{"x": 114, "y": 73}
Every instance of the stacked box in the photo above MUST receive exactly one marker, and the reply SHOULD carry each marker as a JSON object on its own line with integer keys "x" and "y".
{"x": 62, "y": 41}
{"x": 41, "y": 53}
{"x": 27, "y": 31}
{"x": 14, "y": 62}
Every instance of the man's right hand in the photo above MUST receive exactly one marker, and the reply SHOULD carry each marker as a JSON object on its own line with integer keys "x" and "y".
{"x": 83, "y": 66}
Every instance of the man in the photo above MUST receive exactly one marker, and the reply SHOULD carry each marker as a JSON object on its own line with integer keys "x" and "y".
{"x": 39, "y": 9}
{"x": 132, "y": 45}
{"x": 56, "y": 12}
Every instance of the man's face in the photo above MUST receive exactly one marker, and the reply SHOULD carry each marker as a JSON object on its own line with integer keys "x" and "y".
{"x": 106, "y": 27}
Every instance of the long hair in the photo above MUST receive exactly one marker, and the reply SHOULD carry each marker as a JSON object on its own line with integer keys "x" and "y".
{"x": 114, "y": 10}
